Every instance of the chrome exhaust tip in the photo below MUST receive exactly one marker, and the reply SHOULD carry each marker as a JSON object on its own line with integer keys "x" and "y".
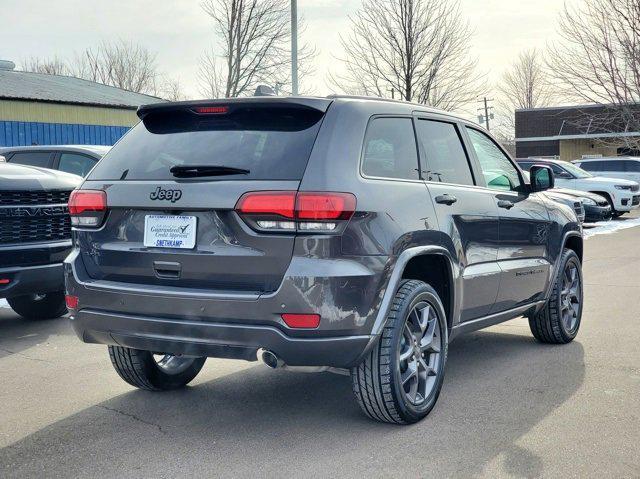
{"x": 270, "y": 359}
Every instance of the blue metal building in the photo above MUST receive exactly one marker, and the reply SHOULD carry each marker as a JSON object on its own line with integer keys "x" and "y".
{"x": 39, "y": 109}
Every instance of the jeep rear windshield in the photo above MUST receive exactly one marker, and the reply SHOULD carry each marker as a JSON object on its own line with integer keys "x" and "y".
{"x": 271, "y": 143}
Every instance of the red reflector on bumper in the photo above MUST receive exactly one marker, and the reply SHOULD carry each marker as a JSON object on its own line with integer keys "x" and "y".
{"x": 71, "y": 301}
{"x": 5, "y": 281}
{"x": 301, "y": 320}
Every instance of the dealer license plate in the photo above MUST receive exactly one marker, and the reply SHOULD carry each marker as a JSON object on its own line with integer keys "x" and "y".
{"x": 162, "y": 231}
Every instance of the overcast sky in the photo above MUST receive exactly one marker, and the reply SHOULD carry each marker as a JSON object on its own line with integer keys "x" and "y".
{"x": 179, "y": 31}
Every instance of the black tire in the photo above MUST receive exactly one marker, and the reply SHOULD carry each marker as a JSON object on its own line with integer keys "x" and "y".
{"x": 547, "y": 325}
{"x": 377, "y": 382}
{"x": 140, "y": 369}
{"x": 614, "y": 213}
{"x": 39, "y": 306}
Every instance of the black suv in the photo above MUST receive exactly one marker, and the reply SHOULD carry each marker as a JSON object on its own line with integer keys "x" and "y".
{"x": 35, "y": 238}
{"x": 335, "y": 233}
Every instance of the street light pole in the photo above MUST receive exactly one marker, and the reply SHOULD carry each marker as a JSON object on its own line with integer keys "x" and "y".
{"x": 294, "y": 47}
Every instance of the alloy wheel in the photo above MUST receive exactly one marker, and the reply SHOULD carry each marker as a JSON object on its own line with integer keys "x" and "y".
{"x": 570, "y": 297}
{"x": 419, "y": 354}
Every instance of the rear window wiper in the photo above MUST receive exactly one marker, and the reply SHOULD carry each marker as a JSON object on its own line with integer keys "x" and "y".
{"x": 193, "y": 171}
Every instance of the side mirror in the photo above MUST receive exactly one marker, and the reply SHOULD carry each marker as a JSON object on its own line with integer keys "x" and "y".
{"x": 541, "y": 178}
{"x": 2, "y": 159}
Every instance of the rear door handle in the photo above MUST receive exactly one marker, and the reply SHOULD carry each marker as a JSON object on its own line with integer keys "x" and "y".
{"x": 446, "y": 199}
{"x": 506, "y": 204}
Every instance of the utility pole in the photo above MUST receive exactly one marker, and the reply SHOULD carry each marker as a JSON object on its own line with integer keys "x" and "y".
{"x": 294, "y": 47}
{"x": 487, "y": 115}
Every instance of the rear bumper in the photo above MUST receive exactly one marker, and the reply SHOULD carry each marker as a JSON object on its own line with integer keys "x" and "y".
{"x": 198, "y": 338}
{"x": 30, "y": 280}
{"x": 345, "y": 292}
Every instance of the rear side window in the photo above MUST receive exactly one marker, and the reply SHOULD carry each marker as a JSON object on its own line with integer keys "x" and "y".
{"x": 613, "y": 165}
{"x": 74, "y": 163}
{"x": 272, "y": 143}
{"x": 36, "y": 158}
{"x": 390, "y": 149}
{"x": 445, "y": 158}
{"x": 633, "y": 166}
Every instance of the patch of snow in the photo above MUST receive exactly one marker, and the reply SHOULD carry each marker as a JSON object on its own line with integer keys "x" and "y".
{"x": 608, "y": 227}
{"x": 3, "y": 303}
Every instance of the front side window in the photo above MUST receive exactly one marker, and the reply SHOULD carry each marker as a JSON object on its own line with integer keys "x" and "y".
{"x": 591, "y": 165}
{"x": 390, "y": 149}
{"x": 525, "y": 166}
{"x": 499, "y": 173}
{"x": 75, "y": 163}
{"x": 445, "y": 158}
{"x": 575, "y": 171}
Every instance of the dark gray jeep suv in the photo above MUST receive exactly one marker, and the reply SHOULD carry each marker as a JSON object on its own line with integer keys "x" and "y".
{"x": 342, "y": 233}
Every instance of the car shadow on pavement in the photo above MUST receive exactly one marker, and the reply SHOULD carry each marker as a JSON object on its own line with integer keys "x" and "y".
{"x": 18, "y": 334}
{"x": 499, "y": 385}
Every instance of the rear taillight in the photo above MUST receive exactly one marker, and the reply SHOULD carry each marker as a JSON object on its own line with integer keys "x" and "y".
{"x": 288, "y": 211}
{"x": 87, "y": 208}
{"x": 71, "y": 301}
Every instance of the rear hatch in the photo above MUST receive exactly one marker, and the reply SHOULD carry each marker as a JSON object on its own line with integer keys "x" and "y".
{"x": 172, "y": 184}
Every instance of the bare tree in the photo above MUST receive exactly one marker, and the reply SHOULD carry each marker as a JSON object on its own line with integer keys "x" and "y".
{"x": 598, "y": 61}
{"x": 524, "y": 85}
{"x": 169, "y": 89}
{"x": 414, "y": 50}
{"x": 121, "y": 64}
{"x": 48, "y": 66}
{"x": 254, "y": 47}
{"x": 210, "y": 79}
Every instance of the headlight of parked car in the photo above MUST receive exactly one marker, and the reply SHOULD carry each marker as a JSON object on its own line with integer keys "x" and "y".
{"x": 622, "y": 187}
{"x": 588, "y": 201}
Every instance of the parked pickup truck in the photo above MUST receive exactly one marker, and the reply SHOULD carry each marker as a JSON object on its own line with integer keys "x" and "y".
{"x": 322, "y": 234}
{"x": 35, "y": 238}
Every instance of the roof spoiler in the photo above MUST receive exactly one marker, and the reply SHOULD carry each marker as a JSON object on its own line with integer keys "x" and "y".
{"x": 317, "y": 104}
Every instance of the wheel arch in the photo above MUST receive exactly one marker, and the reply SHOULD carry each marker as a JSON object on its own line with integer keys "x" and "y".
{"x": 575, "y": 242}
{"x": 429, "y": 264}
{"x": 434, "y": 269}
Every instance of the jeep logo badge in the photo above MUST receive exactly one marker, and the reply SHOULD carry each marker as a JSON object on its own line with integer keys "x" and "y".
{"x": 171, "y": 195}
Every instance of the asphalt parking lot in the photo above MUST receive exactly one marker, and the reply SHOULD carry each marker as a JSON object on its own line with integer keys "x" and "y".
{"x": 510, "y": 407}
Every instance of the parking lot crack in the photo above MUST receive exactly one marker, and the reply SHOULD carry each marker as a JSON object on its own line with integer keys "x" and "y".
{"x": 134, "y": 417}
{"x": 25, "y": 356}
